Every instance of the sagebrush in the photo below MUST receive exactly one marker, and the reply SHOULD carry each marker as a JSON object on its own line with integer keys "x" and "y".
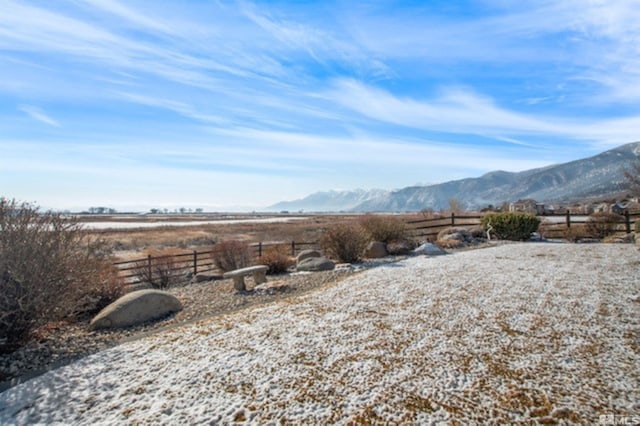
{"x": 345, "y": 242}
{"x": 232, "y": 254}
{"x": 161, "y": 269}
{"x": 384, "y": 228}
{"x": 49, "y": 271}
{"x": 277, "y": 259}
{"x": 601, "y": 225}
{"x": 514, "y": 226}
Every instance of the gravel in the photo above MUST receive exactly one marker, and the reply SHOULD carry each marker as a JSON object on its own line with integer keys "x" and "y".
{"x": 62, "y": 343}
{"x": 522, "y": 333}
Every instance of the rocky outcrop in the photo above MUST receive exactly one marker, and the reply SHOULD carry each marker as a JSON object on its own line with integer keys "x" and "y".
{"x": 136, "y": 308}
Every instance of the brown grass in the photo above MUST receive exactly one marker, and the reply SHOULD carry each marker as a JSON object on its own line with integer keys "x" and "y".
{"x": 131, "y": 243}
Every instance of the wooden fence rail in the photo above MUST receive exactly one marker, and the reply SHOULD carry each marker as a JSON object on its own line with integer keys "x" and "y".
{"x": 194, "y": 261}
{"x": 202, "y": 261}
{"x": 430, "y": 227}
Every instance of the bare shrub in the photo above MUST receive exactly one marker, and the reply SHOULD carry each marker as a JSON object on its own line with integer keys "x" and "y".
{"x": 345, "y": 242}
{"x": 231, "y": 255}
{"x": 576, "y": 232}
{"x": 161, "y": 269}
{"x": 601, "y": 225}
{"x": 49, "y": 271}
{"x": 277, "y": 259}
{"x": 384, "y": 228}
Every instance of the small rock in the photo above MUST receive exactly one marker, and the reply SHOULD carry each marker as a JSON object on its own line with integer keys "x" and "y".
{"x": 459, "y": 234}
{"x": 206, "y": 276}
{"x": 375, "y": 250}
{"x": 400, "y": 248}
{"x": 271, "y": 287}
{"x": 429, "y": 249}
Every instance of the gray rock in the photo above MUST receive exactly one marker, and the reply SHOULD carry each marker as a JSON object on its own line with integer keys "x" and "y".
{"x": 308, "y": 254}
{"x": 136, "y": 308}
{"x": 375, "y": 250}
{"x": 395, "y": 248}
{"x": 316, "y": 264}
{"x": 206, "y": 276}
{"x": 458, "y": 234}
{"x": 429, "y": 249}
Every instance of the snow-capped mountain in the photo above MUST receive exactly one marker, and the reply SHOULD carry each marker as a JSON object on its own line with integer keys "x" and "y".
{"x": 330, "y": 201}
{"x": 598, "y": 176}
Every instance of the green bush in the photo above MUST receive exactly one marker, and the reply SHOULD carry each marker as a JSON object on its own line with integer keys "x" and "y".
{"x": 231, "y": 255}
{"x": 345, "y": 242}
{"x": 49, "y": 271}
{"x": 384, "y": 228}
{"x": 514, "y": 226}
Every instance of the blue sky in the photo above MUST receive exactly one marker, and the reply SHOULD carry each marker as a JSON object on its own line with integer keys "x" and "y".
{"x": 224, "y": 104}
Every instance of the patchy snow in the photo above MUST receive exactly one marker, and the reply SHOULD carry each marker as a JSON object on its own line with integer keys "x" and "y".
{"x": 517, "y": 332}
{"x": 115, "y": 224}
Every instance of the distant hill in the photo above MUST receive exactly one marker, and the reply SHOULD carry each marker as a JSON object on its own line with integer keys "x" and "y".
{"x": 598, "y": 176}
{"x": 330, "y": 201}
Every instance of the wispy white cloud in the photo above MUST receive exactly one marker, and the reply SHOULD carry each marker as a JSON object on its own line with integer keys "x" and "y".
{"x": 326, "y": 96}
{"x": 324, "y": 46}
{"x": 38, "y": 115}
{"x": 130, "y": 15}
{"x": 463, "y": 111}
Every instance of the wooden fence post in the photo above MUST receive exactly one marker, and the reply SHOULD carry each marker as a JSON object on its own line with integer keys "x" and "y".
{"x": 293, "y": 248}
{"x": 568, "y": 219}
{"x": 149, "y": 265}
{"x": 259, "y": 248}
{"x": 195, "y": 263}
{"x": 628, "y": 221}
{"x": 453, "y": 219}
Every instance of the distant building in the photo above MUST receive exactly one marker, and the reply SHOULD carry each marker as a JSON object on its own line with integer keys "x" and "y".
{"x": 527, "y": 206}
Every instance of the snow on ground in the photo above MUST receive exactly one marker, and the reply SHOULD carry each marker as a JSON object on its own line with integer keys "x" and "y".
{"x": 118, "y": 224}
{"x": 517, "y": 332}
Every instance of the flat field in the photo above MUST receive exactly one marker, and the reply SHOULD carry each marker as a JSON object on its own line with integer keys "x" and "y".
{"x": 191, "y": 232}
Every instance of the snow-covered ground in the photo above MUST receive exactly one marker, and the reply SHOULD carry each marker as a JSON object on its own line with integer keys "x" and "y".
{"x": 510, "y": 333}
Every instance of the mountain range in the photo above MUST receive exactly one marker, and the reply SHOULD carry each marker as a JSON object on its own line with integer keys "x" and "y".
{"x": 594, "y": 177}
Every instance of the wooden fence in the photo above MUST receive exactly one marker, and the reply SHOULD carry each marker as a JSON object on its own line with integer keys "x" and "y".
{"x": 555, "y": 225}
{"x": 193, "y": 261}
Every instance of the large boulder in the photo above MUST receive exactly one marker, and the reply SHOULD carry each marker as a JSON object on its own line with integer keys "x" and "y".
{"x": 307, "y": 254}
{"x": 136, "y": 308}
{"x": 316, "y": 264}
{"x": 376, "y": 250}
